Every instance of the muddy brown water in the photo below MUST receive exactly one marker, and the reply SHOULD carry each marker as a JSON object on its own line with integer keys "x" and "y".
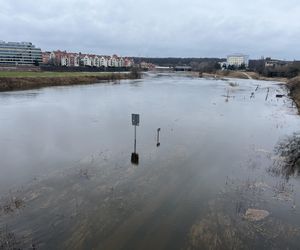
{"x": 67, "y": 181}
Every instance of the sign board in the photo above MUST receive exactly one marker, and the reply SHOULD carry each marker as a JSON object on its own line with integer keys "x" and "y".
{"x": 135, "y": 119}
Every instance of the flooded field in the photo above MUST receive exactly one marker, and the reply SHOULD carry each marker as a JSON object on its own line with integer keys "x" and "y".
{"x": 223, "y": 176}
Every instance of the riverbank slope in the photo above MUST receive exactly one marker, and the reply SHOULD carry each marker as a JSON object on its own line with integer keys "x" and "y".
{"x": 294, "y": 86}
{"x": 242, "y": 75}
{"x": 10, "y": 81}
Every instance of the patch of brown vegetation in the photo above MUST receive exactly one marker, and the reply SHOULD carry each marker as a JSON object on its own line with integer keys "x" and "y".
{"x": 218, "y": 231}
{"x": 233, "y": 74}
{"x": 24, "y": 83}
{"x": 10, "y": 240}
{"x": 11, "y": 205}
{"x": 241, "y": 75}
{"x": 294, "y": 86}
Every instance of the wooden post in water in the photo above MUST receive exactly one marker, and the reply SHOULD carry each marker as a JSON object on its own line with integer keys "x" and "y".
{"x": 157, "y": 138}
{"x": 267, "y": 94}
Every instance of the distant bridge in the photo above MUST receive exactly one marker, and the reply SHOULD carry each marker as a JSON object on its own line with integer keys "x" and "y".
{"x": 176, "y": 68}
{"x": 183, "y": 68}
{"x": 163, "y": 69}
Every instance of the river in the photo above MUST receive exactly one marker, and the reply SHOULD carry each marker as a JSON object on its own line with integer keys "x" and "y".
{"x": 67, "y": 180}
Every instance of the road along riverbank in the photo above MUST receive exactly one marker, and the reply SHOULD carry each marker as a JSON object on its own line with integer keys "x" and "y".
{"x": 11, "y": 81}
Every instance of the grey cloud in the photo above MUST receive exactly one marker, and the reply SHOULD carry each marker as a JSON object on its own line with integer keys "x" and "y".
{"x": 156, "y": 28}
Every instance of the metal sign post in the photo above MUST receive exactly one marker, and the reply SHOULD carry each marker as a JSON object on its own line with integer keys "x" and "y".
{"x": 135, "y": 118}
{"x": 134, "y": 139}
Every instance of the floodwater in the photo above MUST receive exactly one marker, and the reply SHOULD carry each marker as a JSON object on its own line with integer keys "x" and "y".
{"x": 67, "y": 181}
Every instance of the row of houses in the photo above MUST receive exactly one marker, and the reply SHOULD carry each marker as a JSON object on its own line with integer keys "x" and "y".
{"x": 67, "y": 59}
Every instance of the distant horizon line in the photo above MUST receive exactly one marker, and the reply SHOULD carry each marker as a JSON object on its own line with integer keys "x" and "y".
{"x": 184, "y": 57}
{"x": 162, "y": 57}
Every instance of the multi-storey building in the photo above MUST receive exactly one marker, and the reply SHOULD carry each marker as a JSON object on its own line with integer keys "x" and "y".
{"x": 70, "y": 60}
{"x": 23, "y": 53}
{"x": 46, "y": 57}
{"x": 86, "y": 60}
{"x": 128, "y": 62}
{"x": 237, "y": 60}
{"x": 64, "y": 58}
{"x": 103, "y": 61}
{"x": 59, "y": 58}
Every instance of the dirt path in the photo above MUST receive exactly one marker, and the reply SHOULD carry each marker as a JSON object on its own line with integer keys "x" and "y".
{"x": 247, "y": 75}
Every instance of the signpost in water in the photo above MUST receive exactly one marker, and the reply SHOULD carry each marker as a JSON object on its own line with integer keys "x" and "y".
{"x": 135, "y": 118}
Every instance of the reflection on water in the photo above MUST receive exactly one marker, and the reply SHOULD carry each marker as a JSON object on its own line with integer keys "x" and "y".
{"x": 135, "y": 158}
{"x": 66, "y": 181}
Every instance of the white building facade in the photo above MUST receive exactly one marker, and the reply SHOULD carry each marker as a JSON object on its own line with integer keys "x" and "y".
{"x": 63, "y": 58}
{"x": 237, "y": 60}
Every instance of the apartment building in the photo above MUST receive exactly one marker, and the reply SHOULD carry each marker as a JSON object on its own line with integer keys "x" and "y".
{"x": 63, "y": 58}
{"x": 19, "y": 53}
{"x": 237, "y": 60}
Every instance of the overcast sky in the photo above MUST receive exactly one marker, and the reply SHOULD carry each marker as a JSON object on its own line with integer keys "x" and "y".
{"x": 184, "y": 28}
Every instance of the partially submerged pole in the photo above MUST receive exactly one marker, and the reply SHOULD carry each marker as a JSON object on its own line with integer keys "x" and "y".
{"x": 267, "y": 94}
{"x": 135, "y": 118}
{"x": 135, "y": 139}
{"x": 157, "y": 138}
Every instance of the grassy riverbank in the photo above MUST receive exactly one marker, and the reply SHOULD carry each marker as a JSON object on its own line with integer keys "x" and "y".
{"x": 242, "y": 75}
{"x": 19, "y": 80}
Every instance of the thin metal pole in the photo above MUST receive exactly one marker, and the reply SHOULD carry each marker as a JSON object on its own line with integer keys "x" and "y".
{"x": 134, "y": 139}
